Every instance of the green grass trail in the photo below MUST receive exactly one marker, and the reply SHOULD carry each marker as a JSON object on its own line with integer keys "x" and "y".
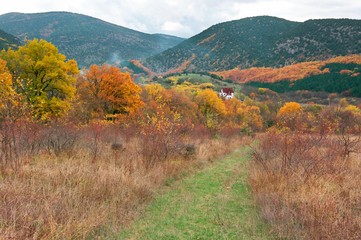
{"x": 212, "y": 204}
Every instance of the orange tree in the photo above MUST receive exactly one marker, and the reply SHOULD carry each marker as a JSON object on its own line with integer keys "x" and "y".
{"x": 107, "y": 90}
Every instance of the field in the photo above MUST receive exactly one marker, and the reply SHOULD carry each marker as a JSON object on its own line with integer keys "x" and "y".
{"x": 76, "y": 195}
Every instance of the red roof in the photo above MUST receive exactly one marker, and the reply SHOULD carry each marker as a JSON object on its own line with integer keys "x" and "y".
{"x": 229, "y": 91}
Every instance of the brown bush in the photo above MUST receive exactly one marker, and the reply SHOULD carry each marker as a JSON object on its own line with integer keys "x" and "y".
{"x": 305, "y": 188}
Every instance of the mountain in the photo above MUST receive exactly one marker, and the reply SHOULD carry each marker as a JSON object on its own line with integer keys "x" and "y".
{"x": 8, "y": 40}
{"x": 260, "y": 42}
{"x": 86, "y": 39}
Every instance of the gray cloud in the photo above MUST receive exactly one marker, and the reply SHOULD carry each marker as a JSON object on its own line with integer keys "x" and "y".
{"x": 188, "y": 17}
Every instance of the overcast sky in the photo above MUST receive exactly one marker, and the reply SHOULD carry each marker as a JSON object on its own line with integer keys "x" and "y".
{"x": 186, "y": 18}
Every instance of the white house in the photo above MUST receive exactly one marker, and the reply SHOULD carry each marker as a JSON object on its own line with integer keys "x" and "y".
{"x": 226, "y": 93}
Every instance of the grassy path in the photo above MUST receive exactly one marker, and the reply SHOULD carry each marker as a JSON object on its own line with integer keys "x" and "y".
{"x": 213, "y": 204}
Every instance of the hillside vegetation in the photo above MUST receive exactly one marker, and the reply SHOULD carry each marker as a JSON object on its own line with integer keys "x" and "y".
{"x": 86, "y": 39}
{"x": 293, "y": 72}
{"x": 8, "y": 40}
{"x": 261, "y": 42}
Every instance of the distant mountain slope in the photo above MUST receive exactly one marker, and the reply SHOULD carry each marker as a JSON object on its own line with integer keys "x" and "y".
{"x": 261, "y": 42}
{"x": 8, "y": 40}
{"x": 86, "y": 39}
{"x": 335, "y": 77}
{"x": 291, "y": 73}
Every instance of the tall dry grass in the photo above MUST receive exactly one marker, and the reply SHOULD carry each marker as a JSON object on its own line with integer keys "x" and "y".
{"x": 74, "y": 194}
{"x": 317, "y": 196}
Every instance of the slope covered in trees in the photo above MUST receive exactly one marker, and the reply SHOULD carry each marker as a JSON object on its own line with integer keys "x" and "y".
{"x": 293, "y": 72}
{"x": 86, "y": 39}
{"x": 261, "y": 42}
{"x": 8, "y": 40}
{"x": 335, "y": 78}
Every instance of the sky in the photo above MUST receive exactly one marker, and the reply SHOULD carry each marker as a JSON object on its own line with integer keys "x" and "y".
{"x": 185, "y": 18}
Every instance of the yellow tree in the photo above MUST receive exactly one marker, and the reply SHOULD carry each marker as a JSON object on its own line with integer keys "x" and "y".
{"x": 245, "y": 116}
{"x": 5, "y": 83}
{"x": 290, "y": 115}
{"x": 158, "y": 93}
{"x": 252, "y": 117}
{"x": 43, "y": 76}
{"x": 211, "y": 106}
{"x": 105, "y": 88}
{"x": 170, "y": 101}
{"x": 12, "y": 105}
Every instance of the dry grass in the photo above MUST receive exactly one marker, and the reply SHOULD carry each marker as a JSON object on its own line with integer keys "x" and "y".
{"x": 75, "y": 197}
{"x": 325, "y": 204}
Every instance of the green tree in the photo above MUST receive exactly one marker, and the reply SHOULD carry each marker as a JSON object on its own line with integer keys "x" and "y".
{"x": 43, "y": 76}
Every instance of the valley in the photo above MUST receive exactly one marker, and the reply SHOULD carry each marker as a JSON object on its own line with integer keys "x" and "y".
{"x": 250, "y": 129}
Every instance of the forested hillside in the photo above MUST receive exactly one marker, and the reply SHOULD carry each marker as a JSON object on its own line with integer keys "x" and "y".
{"x": 8, "y": 40}
{"x": 86, "y": 39}
{"x": 261, "y": 42}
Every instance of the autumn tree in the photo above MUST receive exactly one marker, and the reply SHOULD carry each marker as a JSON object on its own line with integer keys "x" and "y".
{"x": 290, "y": 115}
{"x": 108, "y": 90}
{"x": 12, "y": 104}
{"x": 211, "y": 106}
{"x": 247, "y": 117}
{"x": 171, "y": 101}
{"x": 347, "y": 120}
{"x": 5, "y": 84}
{"x": 158, "y": 93}
{"x": 43, "y": 76}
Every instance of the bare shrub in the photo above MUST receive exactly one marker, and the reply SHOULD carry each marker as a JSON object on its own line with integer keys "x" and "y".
{"x": 19, "y": 141}
{"x": 94, "y": 142}
{"x": 61, "y": 137}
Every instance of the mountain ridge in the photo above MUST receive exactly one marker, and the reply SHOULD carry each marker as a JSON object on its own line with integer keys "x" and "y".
{"x": 87, "y": 39}
{"x": 262, "y": 41}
